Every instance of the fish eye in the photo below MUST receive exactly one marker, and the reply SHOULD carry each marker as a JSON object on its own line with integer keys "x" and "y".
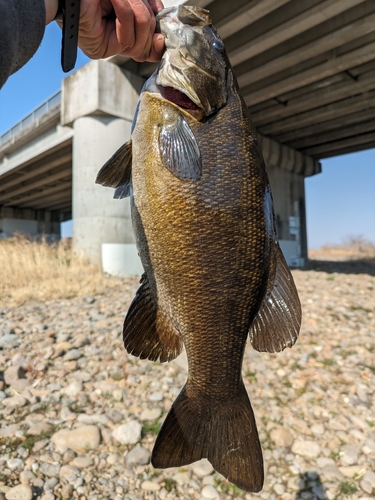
{"x": 218, "y": 46}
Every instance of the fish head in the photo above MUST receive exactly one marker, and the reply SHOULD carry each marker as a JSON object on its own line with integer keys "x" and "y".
{"x": 193, "y": 70}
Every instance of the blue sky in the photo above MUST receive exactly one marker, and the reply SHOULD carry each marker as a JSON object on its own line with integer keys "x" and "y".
{"x": 340, "y": 202}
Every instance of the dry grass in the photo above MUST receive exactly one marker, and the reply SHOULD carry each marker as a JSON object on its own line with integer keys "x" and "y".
{"x": 39, "y": 271}
{"x": 352, "y": 248}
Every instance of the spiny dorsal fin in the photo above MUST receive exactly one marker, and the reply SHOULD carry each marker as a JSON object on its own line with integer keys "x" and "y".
{"x": 116, "y": 172}
{"x": 148, "y": 333}
{"x": 277, "y": 324}
{"x": 178, "y": 147}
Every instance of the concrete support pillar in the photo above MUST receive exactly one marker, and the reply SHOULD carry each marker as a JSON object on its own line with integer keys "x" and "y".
{"x": 288, "y": 191}
{"x": 99, "y": 101}
{"x": 97, "y": 217}
{"x": 287, "y": 170}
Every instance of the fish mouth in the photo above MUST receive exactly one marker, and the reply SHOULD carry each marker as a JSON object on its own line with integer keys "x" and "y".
{"x": 177, "y": 97}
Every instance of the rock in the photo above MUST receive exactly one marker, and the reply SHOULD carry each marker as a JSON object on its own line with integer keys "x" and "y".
{"x": 74, "y": 388}
{"x": 156, "y": 396}
{"x": 279, "y": 488}
{"x": 39, "y": 445}
{"x": 150, "y": 486}
{"x": 96, "y": 418}
{"x": 50, "y": 470}
{"x": 182, "y": 477}
{"x": 13, "y": 374}
{"x": 152, "y": 414}
{"x": 15, "y": 402}
{"x": 113, "y": 459}
{"x": 317, "y": 429}
{"x": 105, "y": 387}
{"x": 83, "y": 461}
{"x": 309, "y": 449}
{"x": 50, "y": 483}
{"x": 129, "y": 433}
{"x": 42, "y": 427}
{"x": 137, "y": 456}
{"x": 26, "y": 476}
{"x": 10, "y": 430}
{"x": 15, "y": 464}
{"x": 115, "y": 415}
{"x": 68, "y": 456}
{"x": 86, "y": 437}
{"x": 365, "y": 486}
{"x": 66, "y": 414}
{"x": 332, "y": 473}
{"x": 118, "y": 394}
{"x": 69, "y": 473}
{"x": 282, "y": 437}
{"x": 202, "y": 468}
{"x": 20, "y": 492}
{"x": 319, "y": 491}
{"x": 48, "y": 496}
{"x": 9, "y": 341}
{"x": 349, "y": 454}
{"x": 323, "y": 461}
{"x": 73, "y": 354}
{"x": 369, "y": 477}
{"x": 208, "y": 480}
{"x": 21, "y": 384}
{"x": 210, "y": 491}
{"x": 352, "y": 471}
{"x": 369, "y": 446}
{"x": 67, "y": 491}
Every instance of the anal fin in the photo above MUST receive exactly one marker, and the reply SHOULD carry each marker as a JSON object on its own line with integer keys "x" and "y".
{"x": 147, "y": 332}
{"x": 277, "y": 324}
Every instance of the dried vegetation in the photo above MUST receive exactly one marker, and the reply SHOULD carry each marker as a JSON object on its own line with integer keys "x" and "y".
{"x": 39, "y": 271}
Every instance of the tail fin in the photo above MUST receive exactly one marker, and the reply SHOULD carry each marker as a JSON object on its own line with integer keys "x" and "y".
{"x": 224, "y": 432}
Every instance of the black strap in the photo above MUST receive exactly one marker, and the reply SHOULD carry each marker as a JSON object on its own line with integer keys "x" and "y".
{"x": 68, "y": 11}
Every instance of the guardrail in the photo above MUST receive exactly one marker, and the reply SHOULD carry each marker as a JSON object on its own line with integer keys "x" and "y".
{"x": 52, "y": 102}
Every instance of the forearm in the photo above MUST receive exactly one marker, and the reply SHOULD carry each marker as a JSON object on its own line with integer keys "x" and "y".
{"x": 22, "y": 25}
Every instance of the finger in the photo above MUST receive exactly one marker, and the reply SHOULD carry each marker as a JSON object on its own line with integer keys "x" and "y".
{"x": 156, "y": 5}
{"x": 144, "y": 27}
{"x": 125, "y": 24}
{"x": 157, "y": 48}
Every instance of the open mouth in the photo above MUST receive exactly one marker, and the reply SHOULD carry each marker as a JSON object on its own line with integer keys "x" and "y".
{"x": 177, "y": 97}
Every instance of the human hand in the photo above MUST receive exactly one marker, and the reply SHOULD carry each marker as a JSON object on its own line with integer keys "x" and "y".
{"x": 125, "y": 27}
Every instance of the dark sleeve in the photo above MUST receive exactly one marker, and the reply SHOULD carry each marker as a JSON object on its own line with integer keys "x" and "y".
{"x": 22, "y": 24}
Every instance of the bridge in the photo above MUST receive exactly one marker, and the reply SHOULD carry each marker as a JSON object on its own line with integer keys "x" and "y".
{"x": 306, "y": 71}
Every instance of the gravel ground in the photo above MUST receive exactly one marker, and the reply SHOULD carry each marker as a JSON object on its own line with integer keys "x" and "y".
{"x": 79, "y": 416}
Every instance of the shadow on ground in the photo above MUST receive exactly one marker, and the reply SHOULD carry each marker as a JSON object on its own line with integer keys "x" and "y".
{"x": 353, "y": 266}
{"x": 310, "y": 487}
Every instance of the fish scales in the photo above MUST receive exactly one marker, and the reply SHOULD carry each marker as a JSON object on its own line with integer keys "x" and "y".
{"x": 187, "y": 285}
{"x": 204, "y": 225}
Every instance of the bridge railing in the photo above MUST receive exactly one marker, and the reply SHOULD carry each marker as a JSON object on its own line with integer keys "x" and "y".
{"x": 50, "y": 103}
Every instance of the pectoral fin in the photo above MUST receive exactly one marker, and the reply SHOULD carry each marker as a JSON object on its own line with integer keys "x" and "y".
{"x": 277, "y": 324}
{"x": 178, "y": 147}
{"x": 116, "y": 172}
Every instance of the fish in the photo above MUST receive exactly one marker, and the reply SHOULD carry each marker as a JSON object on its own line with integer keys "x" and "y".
{"x": 204, "y": 225}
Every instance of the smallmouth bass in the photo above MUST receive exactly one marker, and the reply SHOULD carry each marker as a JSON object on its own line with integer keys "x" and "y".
{"x": 204, "y": 225}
